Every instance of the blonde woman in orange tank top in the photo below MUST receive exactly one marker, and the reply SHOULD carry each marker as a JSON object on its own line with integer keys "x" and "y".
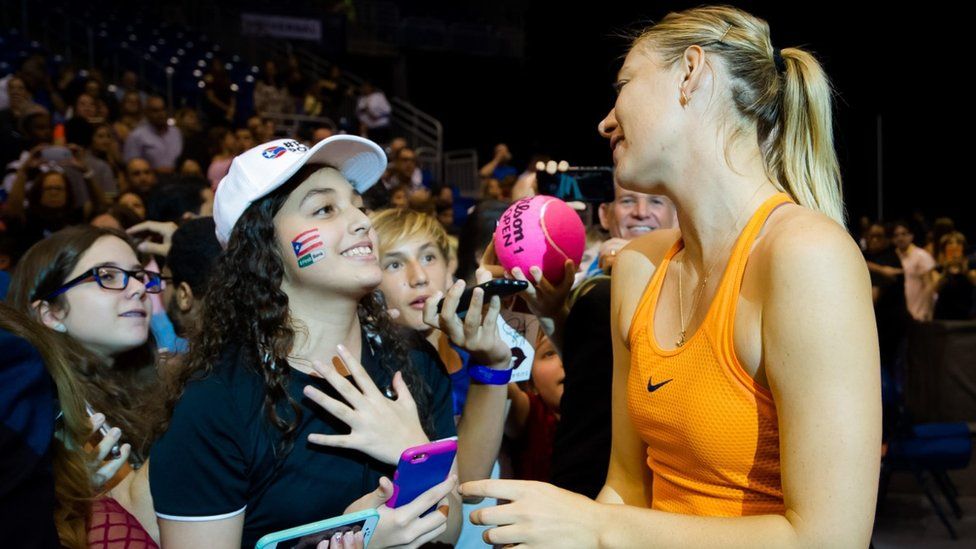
{"x": 746, "y": 393}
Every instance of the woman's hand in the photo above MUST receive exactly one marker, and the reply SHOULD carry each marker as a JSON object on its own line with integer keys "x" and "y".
{"x": 538, "y": 515}
{"x": 404, "y": 526}
{"x": 476, "y": 333}
{"x": 163, "y": 229}
{"x": 608, "y": 252}
{"x": 77, "y": 158}
{"x": 33, "y": 160}
{"x": 382, "y": 428}
{"x": 489, "y": 262}
{"x": 107, "y": 468}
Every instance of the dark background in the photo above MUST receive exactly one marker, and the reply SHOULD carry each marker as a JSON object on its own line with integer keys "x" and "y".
{"x": 905, "y": 65}
{"x": 902, "y": 64}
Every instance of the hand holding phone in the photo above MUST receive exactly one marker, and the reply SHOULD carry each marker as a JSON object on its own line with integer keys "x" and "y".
{"x": 308, "y": 536}
{"x": 104, "y": 430}
{"x": 502, "y": 287}
{"x": 109, "y": 457}
{"x": 477, "y": 333}
{"x": 420, "y": 469}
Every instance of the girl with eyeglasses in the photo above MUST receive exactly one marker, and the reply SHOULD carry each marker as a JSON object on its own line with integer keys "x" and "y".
{"x": 88, "y": 287}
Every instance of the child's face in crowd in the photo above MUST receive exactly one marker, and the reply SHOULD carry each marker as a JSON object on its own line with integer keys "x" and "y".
{"x": 54, "y": 191}
{"x": 414, "y": 269}
{"x": 245, "y": 140}
{"x": 191, "y": 168}
{"x": 102, "y": 139}
{"x": 548, "y": 374}
{"x": 325, "y": 239}
{"x": 446, "y": 217}
{"x": 953, "y": 249}
{"x": 134, "y": 203}
{"x": 230, "y": 143}
{"x": 399, "y": 199}
{"x": 107, "y": 322}
{"x": 902, "y": 237}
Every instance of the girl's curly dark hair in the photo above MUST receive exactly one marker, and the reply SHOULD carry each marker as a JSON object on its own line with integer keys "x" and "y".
{"x": 245, "y": 306}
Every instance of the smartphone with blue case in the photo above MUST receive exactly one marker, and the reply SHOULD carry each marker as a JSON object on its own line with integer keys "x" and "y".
{"x": 420, "y": 469}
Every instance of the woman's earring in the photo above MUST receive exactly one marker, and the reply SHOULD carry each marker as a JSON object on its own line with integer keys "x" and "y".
{"x": 60, "y": 327}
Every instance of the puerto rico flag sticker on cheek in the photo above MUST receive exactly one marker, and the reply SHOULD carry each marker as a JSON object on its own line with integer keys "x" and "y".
{"x": 307, "y": 247}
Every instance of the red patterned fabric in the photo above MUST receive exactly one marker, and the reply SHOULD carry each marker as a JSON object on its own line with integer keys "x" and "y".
{"x": 112, "y": 527}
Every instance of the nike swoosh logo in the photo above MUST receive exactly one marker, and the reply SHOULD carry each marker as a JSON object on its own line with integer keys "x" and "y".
{"x": 651, "y": 387}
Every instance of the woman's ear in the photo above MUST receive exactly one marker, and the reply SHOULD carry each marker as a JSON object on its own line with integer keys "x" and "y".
{"x": 605, "y": 213}
{"x": 49, "y": 316}
{"x": 184, "y": 297}
{"x": 693, "y": 71}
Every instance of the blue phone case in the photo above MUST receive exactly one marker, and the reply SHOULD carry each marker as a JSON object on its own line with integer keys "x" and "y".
{"x": 309, "y": 535}
{"x": 421, "y": 468}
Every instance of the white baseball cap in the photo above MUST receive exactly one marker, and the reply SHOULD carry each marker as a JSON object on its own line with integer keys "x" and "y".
{"x": 260, "y": 170}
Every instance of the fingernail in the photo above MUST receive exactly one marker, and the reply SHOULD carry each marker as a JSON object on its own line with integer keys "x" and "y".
{"x": 341, "y": 348}
{"x": 348, "y": 537}
{"x": 360, "y": 536}
{"x": 98, "y": 417}
{"x": 115, "y": 432}
{"x": 337, "y": 536}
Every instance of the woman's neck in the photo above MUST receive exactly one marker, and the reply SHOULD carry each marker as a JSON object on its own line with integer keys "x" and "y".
{"x": 320, "y": 325}
{"x": 709, "y": 227}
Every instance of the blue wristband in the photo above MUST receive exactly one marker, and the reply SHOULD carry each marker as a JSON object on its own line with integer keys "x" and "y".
{"x": 488, "y": 376}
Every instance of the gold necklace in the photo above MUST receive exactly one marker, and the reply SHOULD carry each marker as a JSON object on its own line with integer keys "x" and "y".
{"x": 701, "y": 288}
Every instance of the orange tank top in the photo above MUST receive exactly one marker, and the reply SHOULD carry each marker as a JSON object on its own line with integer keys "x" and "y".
{"x": 711, "y": 430}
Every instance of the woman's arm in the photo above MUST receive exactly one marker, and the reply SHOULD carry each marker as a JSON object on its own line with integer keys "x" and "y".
{"x": 15, "y": 201}
{"x": 96, "y": 196}
{"x": 133, "y": 494}
{"x": 518, "y": 412}
{"x": 480, "y": 428}
{"x": 628, "y": 477}
{"x": 215, "y": 534}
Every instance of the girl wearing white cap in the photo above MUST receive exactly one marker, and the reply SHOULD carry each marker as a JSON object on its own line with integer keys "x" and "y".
{"x": 267, "y": 431}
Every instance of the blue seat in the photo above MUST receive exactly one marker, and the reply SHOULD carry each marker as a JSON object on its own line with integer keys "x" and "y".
{"x": 927, "y": 450}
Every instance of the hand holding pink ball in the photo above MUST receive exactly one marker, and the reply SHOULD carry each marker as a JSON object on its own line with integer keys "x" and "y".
{"x": 542, "y": 231}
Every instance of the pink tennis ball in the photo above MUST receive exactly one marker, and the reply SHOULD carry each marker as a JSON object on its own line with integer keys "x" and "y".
{"x": 541, "y": 231}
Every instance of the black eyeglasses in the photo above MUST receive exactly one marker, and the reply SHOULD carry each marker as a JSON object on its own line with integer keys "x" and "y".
{"x": 112, "y": 278}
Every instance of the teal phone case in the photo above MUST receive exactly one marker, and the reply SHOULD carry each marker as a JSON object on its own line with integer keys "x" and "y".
{"x": 309, "y": 535}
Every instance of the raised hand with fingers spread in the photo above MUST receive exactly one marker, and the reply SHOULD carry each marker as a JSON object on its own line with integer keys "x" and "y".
{"x": 382, "y": 427}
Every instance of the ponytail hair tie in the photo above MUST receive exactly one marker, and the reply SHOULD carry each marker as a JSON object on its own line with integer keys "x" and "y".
{"x": 778, "y": 59}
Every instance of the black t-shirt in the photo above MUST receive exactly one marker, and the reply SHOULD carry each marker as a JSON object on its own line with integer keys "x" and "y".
{"x": 581, "y": 449}
{"x": 955, "y": 300}
{"x": 218, "y": 457}
{"x": 890, "y": 310}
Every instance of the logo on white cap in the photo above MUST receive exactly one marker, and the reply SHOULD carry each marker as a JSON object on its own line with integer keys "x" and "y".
{"x": 276, "y": 151}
